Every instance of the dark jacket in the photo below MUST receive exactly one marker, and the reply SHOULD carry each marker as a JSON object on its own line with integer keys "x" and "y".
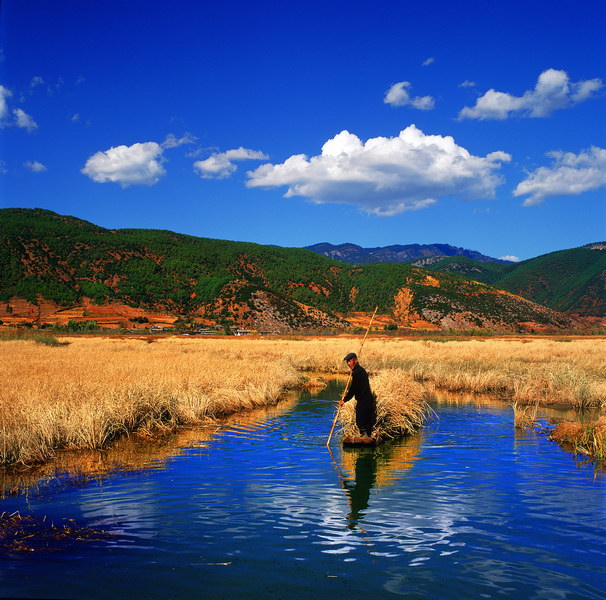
{"x": 366, "y": 407}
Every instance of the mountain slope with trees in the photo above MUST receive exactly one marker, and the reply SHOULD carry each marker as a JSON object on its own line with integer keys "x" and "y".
{"x": 67, "y": 261}
{"x": 567, "y": 280}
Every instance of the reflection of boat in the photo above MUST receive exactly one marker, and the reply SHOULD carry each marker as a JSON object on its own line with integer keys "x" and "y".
{"x": 358, "y": 491}
{"x": 393, "y": 459}
{"x": 363, "y": 469}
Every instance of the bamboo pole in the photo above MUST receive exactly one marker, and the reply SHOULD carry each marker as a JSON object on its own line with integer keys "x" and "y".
{"x": 334, "y": 422}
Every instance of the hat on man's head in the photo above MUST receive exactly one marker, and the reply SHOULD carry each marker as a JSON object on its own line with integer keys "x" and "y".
{"x": 350, "y": 356}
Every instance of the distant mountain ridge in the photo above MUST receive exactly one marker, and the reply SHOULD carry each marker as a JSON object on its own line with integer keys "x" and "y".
{"x": 409, "y": 253}
{"x": 52, "y": 266}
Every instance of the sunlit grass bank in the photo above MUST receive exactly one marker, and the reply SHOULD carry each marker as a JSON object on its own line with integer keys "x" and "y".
{"x": 530, "y": 371}
{"x": 93, "y": 390}
{"x": 588, "y": 439}
{"x": 40, "y": 337}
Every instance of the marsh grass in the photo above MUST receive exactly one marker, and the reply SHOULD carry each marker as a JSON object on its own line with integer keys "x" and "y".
{"x": 401, "y": 406}
{"x": 40, "y": 337}
{"x": 128, "y": 453}
{"x": 314, "y": 384}
{"x": 588, "y": 439}
{"x": 526, "y": 371}
{"x": 524, "y": 416}
{"x": 94, "y": 390}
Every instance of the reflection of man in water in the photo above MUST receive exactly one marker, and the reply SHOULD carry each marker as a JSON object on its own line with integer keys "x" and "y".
{"x": 359, "y": 492}
{"x": 366, "y": 405}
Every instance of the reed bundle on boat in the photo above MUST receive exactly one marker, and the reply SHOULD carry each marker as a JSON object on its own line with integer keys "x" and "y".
{"x": 401, "y": 406}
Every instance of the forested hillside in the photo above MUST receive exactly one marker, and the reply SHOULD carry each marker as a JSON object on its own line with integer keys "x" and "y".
{"x": 46, "y": 256}
{"x": 568, "y": 280}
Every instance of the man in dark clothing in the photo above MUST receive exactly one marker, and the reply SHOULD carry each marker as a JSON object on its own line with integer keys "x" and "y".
{"x": 359, "y": 387}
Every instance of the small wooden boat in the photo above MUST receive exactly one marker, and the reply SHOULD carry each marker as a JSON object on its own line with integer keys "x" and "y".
{"x": 358, "y": 440}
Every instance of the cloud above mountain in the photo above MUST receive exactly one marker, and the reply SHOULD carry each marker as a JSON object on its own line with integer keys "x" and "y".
{"x": 570, "y": 175}
{"x": 172, "y": 141}
{"x": 220, "y": 165}
{"x": 20, "y": 118}
{"x": 385, "y": 176}
{"x": 510, "y": 258}
{"x": 398, "y": 95}
{"x": 24, "y": 121}
{"x": 553, "y": 91}
{"x": 4, "y": 94}
{"x": 139, "y": 164}
{"x": 34, "y": 166}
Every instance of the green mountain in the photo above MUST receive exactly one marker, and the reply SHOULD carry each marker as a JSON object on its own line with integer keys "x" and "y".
{"x": 46, "y": 257}
{"x": 571, "y": 281}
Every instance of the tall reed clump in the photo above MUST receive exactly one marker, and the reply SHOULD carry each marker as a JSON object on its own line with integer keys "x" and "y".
{"x": 401, "y": 406}
{"x": 524, "y": 416}
{"x": 588, "y": 439}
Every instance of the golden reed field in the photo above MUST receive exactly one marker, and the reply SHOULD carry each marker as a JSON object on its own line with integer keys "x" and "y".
{"x": 90, "y": 391}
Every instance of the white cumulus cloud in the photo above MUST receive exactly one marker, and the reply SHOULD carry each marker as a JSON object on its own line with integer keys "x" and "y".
{"x": 398, "y": 95}
{"x": 220, "y": 165}
{"x": 34, "y": 166}
{"x": 385, "y": 176}
{"x": 570, "y": 175}
{"x": 139, "y": 164}
{"x": 510, "y": 258}
{"x": 428, "y": 61}
{"x": 23, "y": 120}
{"x": 553, "y": 91}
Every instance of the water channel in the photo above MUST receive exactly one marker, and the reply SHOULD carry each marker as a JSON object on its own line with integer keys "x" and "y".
{"x": 467, "y": 508}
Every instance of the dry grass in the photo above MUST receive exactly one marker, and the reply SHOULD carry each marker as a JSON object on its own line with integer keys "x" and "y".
{"x": 91, "y": 391}
{"x": 132, "y": 453}
{"x": 401, "y": 406}
{"x": 588, "y": 439}
{"x": 314, "y": 384}
{"x": 524, "y": 416}
{"x": 526, "y": 371}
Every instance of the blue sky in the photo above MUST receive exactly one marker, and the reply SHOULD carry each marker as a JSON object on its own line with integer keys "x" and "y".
{"x": 478, "y": 124}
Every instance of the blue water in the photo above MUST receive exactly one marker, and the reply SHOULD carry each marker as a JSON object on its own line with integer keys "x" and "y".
{"x": 468, "y": 508}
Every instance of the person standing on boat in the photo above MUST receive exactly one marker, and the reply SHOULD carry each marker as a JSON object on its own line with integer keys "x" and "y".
{"x": 359, "y": 387}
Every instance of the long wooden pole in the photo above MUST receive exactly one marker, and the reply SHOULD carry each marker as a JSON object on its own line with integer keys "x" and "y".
{"x": 334, "y": 422}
